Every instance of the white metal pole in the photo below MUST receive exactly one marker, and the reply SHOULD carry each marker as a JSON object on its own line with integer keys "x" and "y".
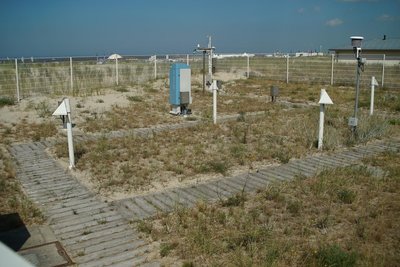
{"x": 155, "y": 66}
{"x": 321, "y": 125}
{"x": 371, "y": 110}
{"x": 383, "y": 70}
{"x": 210, "y": 63}
{"x": 187, "y": 59}
{"x": 214, "y": 88}
{"x": 248, "y": 66}
{"x": 17, "y": 79}
{"x": 209, "y": 57}
{"x": 332, "y": 68}
{"x": 287, "y": 68}
{"x": 69, "y": 134}
{"x": 71, "y": 74}
{"x": 116, "y": 70}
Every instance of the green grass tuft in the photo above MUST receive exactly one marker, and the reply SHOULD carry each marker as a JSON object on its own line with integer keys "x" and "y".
{"x": 166, "y": 248}
{"x": 6, "y": 101}
{"x": 333, "y": 255}
{"x": 134, "y": 98}
{"x": 346, "y": 196}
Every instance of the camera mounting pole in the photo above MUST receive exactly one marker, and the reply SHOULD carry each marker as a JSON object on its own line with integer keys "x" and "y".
{"x": 204, "y": 50}
{"x": 356, "y": 43}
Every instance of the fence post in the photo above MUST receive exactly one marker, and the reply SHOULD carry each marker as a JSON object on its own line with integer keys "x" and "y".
{"x": 332, "y": 68}
{"x": 210, "y": 63}
{"x": 155, "y": 66}
{"x": 71, "y": 75}
{"x": 248, "y": 66}
{"x": 287, "y": 68}
{"x": 17, "y": 79}
{"x": 383, "y": 70}
{"x": 116, "y": 70}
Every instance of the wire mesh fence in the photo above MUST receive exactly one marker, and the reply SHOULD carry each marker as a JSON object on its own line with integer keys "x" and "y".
{"x": 89, "y": 75}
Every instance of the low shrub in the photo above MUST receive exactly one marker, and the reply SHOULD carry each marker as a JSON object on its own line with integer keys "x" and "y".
{"x": 346, "y": 196}
{"x": 6, "y": 101}
{"x": 166, "y": 248}
{"x": 134, "y": 98}
{"x": 333, "y": 255}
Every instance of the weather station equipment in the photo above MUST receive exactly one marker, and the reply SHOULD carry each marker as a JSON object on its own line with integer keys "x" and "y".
{"x": 356, "y": 44}
{"x": 206, "y": 50}
{"x": 180, "y": 89}
{"x": 274, "y": 93}
{"x": 64, "y": 109}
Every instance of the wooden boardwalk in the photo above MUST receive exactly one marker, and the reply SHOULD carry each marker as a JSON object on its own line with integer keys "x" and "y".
{"x": 145, "y": 206}
{"x": 93, "y": 232}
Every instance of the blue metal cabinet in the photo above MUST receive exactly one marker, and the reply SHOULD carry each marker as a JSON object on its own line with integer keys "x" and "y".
{"x": 179, "y": 87}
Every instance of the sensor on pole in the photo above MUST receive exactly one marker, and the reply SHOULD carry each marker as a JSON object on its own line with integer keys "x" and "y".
{"x": 324, "y": 100}
{"x": 64, "y": 109}
{"x": 356, "y": 44}
{"x": 205, "y": 50}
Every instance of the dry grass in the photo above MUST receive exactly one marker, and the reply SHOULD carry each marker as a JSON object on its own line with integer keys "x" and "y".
{"x": 90, "y": 78}
{"x": 187, "y": 154}
{"x": 152, "y": 109}
{"x": 12, "y": 199}
{"x": 26, "y": 132}
{"x": 151, "y": 106}
{"x": 283, "y": 132}
{"x": 206, "y": 149}
{"x": 343, "y": 217}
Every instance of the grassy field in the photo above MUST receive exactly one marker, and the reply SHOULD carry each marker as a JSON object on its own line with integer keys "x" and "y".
{"x": 283, "y": 131}
{"x": 342, "y": 217}
{"x": 241, "y": 96}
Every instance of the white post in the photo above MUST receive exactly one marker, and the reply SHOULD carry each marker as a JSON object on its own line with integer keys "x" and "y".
{"x": 373, "y": 83}
{"x": 321, "y": 125}
{"x": 187, "y": 59}
{"x": 371, "y": 109}
{"x": 324, "y": 100}
{"x": 116, "y": 70}
{"x": 332, "y": 69}
{"x": 248, "y": 66}
{"x": 214, "y": 89}
{"x": 72, "y": 80}
{"x": 17, "y": 79}
{"x": 155, "y": 66}
{"x": 209, "y": 57}
{"x": 383, "y": 70}
{"x": 69, "y": 134}
{"x": 287, "y": 68}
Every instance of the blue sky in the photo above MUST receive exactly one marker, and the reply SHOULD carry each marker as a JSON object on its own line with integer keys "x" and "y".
{"x": 136, "y": 27}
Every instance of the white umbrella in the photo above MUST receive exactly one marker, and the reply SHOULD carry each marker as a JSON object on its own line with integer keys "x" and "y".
{"x": 114, "y": 56}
